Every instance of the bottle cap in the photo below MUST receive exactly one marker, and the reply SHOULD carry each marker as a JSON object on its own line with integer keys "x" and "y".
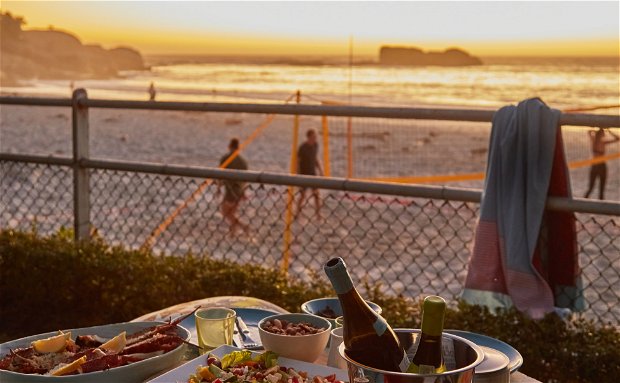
{"x": 433, "y": 314}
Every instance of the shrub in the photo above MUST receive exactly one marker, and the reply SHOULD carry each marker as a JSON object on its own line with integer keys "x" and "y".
{"x": 51, "y": 283}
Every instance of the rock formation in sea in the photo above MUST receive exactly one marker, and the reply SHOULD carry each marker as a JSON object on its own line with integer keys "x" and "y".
{"x": 412, "y": 56}
{"x": 55, "y": 54}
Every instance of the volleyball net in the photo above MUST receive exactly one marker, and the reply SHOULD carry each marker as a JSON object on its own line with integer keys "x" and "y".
{"x": 426, "y": 151}
{"x": 380, "y": 149}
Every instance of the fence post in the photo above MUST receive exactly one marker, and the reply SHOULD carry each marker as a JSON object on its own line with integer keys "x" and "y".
{"x": 81, "y": 179}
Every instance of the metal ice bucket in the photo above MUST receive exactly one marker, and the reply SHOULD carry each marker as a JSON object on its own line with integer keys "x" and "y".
{"x": 465, "y": 357}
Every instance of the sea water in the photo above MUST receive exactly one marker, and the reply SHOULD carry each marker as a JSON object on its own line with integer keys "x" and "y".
{"x": 563, "y": 83}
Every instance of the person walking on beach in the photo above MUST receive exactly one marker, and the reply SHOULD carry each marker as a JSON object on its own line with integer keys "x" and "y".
{"x": 599, "y": 170}
{"x": 308, "y": 164}
{"x": 234, "y": 191}
{"x": 152, "y": 92}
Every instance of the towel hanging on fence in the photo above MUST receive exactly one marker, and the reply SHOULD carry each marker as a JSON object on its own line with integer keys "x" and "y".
{"x": 523, "y": 255}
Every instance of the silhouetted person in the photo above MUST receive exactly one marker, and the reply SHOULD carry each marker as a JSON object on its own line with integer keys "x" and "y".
{"x": 234, "y": 191}
{"x": 599, "y": 170}
{"x": 152, "y": 92}
{"x": 308, "y": 164}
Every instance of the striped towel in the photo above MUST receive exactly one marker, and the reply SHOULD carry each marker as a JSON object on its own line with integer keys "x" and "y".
{"x": 523, "y": 255}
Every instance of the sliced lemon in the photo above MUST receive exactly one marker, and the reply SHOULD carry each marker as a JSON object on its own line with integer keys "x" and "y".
{"x": 68, "y": 368}
{"x": 54, "y": 343}
{"x": 116, "y": 344}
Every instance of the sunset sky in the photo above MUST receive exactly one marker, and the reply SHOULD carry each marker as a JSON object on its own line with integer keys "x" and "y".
{"x": 522, "y": 28}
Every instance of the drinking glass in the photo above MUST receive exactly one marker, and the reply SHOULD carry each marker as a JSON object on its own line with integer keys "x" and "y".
{"x": 334, "y": 359}
{"x": 214, "y": 327}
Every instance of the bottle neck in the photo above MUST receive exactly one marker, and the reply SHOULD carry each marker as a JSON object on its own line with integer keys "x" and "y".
{"x": 433, "y": 316}
{"x": 339, "y": 277}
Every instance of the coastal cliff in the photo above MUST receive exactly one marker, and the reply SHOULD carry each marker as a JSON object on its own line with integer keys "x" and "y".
{"x": 54, "y": 54}
{"x": 411, "y": 56}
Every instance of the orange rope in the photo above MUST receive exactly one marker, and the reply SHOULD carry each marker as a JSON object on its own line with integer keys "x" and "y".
{"x": 590, "y": 108}
{"x": 594, "y": 160}
{"x": 480, "y": 176}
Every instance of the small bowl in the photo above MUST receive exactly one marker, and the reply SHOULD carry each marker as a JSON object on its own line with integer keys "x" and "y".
{"x": 316, "y": 305}
{"x": 306, "y": 348}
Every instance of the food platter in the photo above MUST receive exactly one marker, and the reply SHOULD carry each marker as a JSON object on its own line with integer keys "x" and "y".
{"x": 181, "y": 373}
{"x": 515, "y": 360}
{"x": 135, "y": 372}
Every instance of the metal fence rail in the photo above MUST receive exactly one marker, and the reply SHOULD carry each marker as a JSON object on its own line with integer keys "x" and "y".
{"x": 413, "y": 239}
{"x": 575, "y": 119}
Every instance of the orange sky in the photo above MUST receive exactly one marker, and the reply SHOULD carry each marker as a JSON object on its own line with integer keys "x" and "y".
{"x": 323, "y": 28}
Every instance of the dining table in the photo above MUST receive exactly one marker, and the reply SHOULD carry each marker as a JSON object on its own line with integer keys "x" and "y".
{"x": 244, "y": 302}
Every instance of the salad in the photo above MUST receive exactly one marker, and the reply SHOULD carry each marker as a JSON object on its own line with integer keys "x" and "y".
{"x": 241, "y": 367}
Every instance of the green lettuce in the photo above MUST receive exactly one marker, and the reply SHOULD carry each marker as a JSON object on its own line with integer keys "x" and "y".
{"x": 236, "y": 357}
{"x": 269, "y": 358}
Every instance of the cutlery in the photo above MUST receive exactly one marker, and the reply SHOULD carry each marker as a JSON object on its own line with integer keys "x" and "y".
{"x": 242, "y": 326}
{"x": 237, "y": 338}
{"x": 246, "y": 339}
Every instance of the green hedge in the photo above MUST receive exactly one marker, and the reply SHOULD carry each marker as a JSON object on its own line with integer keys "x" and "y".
{"x": 50, "y": 283}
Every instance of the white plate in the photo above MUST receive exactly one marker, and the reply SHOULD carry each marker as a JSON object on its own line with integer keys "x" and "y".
{"x": 135, "y": 372}
{"x": 180, "y": 374}
{"x": 515, "y": 360}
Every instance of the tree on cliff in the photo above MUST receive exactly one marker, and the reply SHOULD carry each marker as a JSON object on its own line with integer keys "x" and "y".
{"x": 56, "y": 54}
{"x": 10, "y": 25}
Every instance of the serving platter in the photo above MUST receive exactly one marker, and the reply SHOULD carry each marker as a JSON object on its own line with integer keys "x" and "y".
{"x": 515, "y": 360}
{"x": 181, "y": 373}
{"x": 135, "y": 372}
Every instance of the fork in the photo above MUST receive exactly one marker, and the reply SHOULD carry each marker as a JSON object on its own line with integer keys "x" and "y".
{"x": 247, "y": 340}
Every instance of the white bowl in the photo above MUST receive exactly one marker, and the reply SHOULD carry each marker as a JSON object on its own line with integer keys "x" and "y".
{"x": 306, "y": 348}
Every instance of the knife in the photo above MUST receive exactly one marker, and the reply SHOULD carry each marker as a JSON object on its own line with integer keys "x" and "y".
{"x": 237, "y": 338}
{"x": 242, "y": 326}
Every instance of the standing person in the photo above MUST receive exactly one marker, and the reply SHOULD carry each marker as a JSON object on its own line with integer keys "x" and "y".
{"x": 234, "y": 191}
{"x": 152, "y": 92}
{"x": 599, "y": 170}
{"x": 308, "y": 164}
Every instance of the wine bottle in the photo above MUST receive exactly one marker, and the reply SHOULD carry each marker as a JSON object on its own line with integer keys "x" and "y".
{"x": 428, "y": 358}
{"x": 367, "y": 337}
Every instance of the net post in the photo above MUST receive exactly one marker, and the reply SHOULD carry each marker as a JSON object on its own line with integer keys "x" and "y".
{"x": 286, "y": 251}
{"x": 326, "y": 164}
{"x": 349, "y": 148}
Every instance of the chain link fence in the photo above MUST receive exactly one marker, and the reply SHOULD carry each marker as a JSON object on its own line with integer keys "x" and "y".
{"x": 411, "y": 246}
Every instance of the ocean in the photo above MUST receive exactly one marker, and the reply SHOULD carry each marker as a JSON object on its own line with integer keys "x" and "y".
{"x": 563, "y": 83}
